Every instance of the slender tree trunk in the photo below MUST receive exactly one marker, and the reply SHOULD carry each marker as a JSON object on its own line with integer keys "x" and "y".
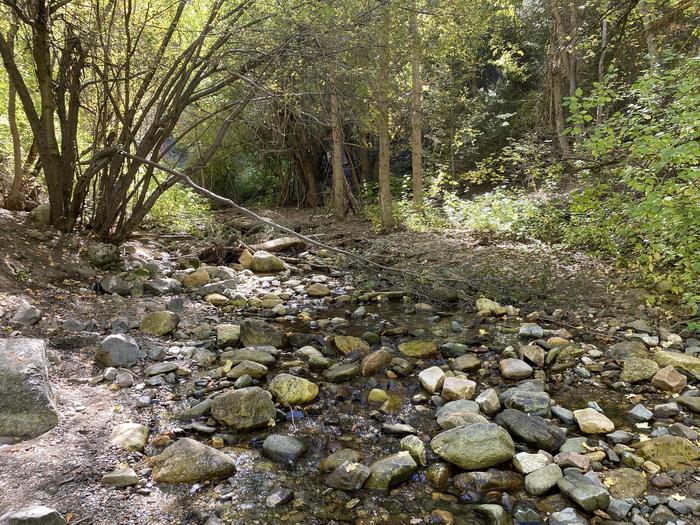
{"x": 573, "y": 21}
{"x": 648, "y": 35}
{"x": 14, "y": 197}
{"x": 601, "y": 65}
{"x": 558, "y": 60}
{"x": 557, "y": 102}
{"x": 337, "y": 158}
{"x": 386, "y": 215}
{"x": 416, "y": 124}
{"x": 365, "y": 163}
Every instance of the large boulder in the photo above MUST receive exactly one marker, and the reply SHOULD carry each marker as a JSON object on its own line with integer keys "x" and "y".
{"x": 119, "y": 350}
{"x": 265, "y": 262}
{"x": 188, "y": 460}
{"x": 474, "y": 446}
{"x": 244, "y": 409}
{"x": 291, "y": 389}
{"x": 27, "y": 406}
{"x": 38, "y": 515}
{"x": 256, "y": 332}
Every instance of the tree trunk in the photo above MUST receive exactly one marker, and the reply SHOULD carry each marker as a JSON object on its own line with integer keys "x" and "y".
{"x": 386, "y": 215}
{"x": 14, "y": 197}
{"x": 557, "y": 60}
{"x": 601, "y": 65}
{"x": 337, "y": 159}
{"x": 364, "y": 161}
{"x": 648, "y": 35}
{"x": 416, "y": 124}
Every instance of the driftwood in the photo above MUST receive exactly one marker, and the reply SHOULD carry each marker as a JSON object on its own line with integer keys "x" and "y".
{"x": 279, "y": 245}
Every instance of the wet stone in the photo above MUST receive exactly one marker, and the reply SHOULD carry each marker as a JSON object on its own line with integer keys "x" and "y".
{"x": 244, "y": 409}
{"x": 492, "y": 479}
{"x": 526, "y": 463}
{"x": 488, "y": 401}
{"x": 542, "y": 480}
{"x": 591, "y": 421}
{"x": 348, "y": 476}
{"x": 432, "y": 379}
{"x": 585, "y": 493}
{"x": 339, "y": 457}
{"x": 514, "y": 369}
{"x": 466, "y": 362}
{"x": 474, "y": 446}
{"x": 419, "y": 349}
{"x": 341, "y": 372}
{"x": 528, "y": 401}
{"x": 188, "y": 460}
{"x": 283, "y": 449}
{"x": 375, "y": 362}
{"x": 391, "y": 470}
{"x": 534, "y": 430}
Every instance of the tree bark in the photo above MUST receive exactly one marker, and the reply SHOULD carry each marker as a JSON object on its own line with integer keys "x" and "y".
{"x": 385, "y": 207}
{"x": 558, "y": 60}
{"x": 337, "y": 158}
{"x": 416, "y": 124}
{"x": 14, "y": 197}
{"x": 601, "y": 65}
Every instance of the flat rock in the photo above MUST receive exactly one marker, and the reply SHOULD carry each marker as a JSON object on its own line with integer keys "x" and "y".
{"x": 256, "y": 332}
{"x": 391, "y": 470}
{"x": 256, "y": 354}
{"x": 514, "y": 368}
{"x": 348, "y": 476}
{"x": 454, "y": 388}
{"x": 251, "y": 368}
{"x": 525, "y": 462}
{"x": 26, "y": 314}
{"x": 529, "y": 401}
{"x": 533, "y": 430}
{"x": 283, "y": 449}
{"x": 474, "y": 446}
{"x": 38, "y": 515}
{"x": 291, "y": 389}
{"x": 419, "y": 349}
{"x": 188, "y": 460}
{"x": 347, "y": 344}
{"x": 670, "y": 452}
{"x": 542, "y": 480}
{"x": 159, "y": 323}
{"x": 626, "y": 483}
{"x": 341, "y": 372}
{"x": 591, "y": 421}
{"x": 120, "y": 478}
{"x": 628, "y": 349}
{"x": 466, "y": 362}
{"x": 636, "y": 369}
{"x": 27, "y": 407}
{"x": 587, "y": 494}
{"x": 129, "y": 436}
{"x": 332, "y": 461}
{"x": 244, "y": 409}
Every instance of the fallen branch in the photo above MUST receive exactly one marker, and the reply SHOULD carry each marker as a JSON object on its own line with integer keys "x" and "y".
{"x": 245, "y": 211}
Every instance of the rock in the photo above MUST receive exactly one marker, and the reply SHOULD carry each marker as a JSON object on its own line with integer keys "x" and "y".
{"x": 256, "y": 332}
{"x": 495, "y": 514}
{"x": 162, "y": 286}
{"x": 341, "y": 372}
{"x": 670, "y": 452}
{"x": 26, "y": 314}
{"x": 438, "y": 475}
{"x": 691, "y": 402}
{"x": 466, "y": 362}
{"x": 530, "y": 402}
{"x": 533, "y": 430}
{"x": 38, "y": 515}
{"x": 669, "y": 380}
{"x": 339, "y": 457}
{"x": 347, "y": 344}
{"x": 159, "y": 323}
{"x": 628, "y": 349}
{"x": 265, "y": 262}
{"x": 488, "y": 401}
{"x": 391, "y": 470}
{"x": 584, "y": 492}
{"x": 591, "y": 421}
{"x": 534, "y": 354}
{"x": 492, "y": 479}
{"x": 542, "y": 480}
{"x": 120, "y": 478}
{"x": 640, "y": 413}
{"x": 474, "y": 446}
{"x": 487, "y": 307}
{"x": 572, "y": 459}
{"x": 41, "y": 214}
{"x": 419, "y": 349}
{"x": 227, "y": 335}
{"x": 278, "y": 497}
{"x": 626, "y": 483}
{"x": 196, "y": 279}
{"x": 375, "y": 362}
{"x": 115, "y": 285}
{"x": 283, "y": 449}
{"x": 526, "y": 463}
{"x": 119, "y": 350}
{"x": 457, "y": 413}
{"x": 188, "y": 460}
{"x": 129, "y": 436}
{"x": 102, "y": 255}
{"x": 415, "y": 446}
{"x": 292, "y": 390}
{"x": 27, "y": 407}
{"x": 348, "y": 476}
{"x": 258, "y": 355}
{"x": 250, "y": 368}
{"x": 217, "y": 299}
{"x": 244, "y": 409}
{"x": 458, "y": 388}
{"x": 160, "y": 368}
{"x": 431, "y": 379}
{"x": 514, "y": 369}
{"x": 318, "y": 290}
{"x": 564, "y": 415}
{"x": 531, "y": 330}
{"x": 567, "y": 516}
{"x": 635, "y": 370}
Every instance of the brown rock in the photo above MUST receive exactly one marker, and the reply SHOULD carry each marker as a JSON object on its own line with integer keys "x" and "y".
{"x": 669, "y": 379}
{"x": 375, "y": 361}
